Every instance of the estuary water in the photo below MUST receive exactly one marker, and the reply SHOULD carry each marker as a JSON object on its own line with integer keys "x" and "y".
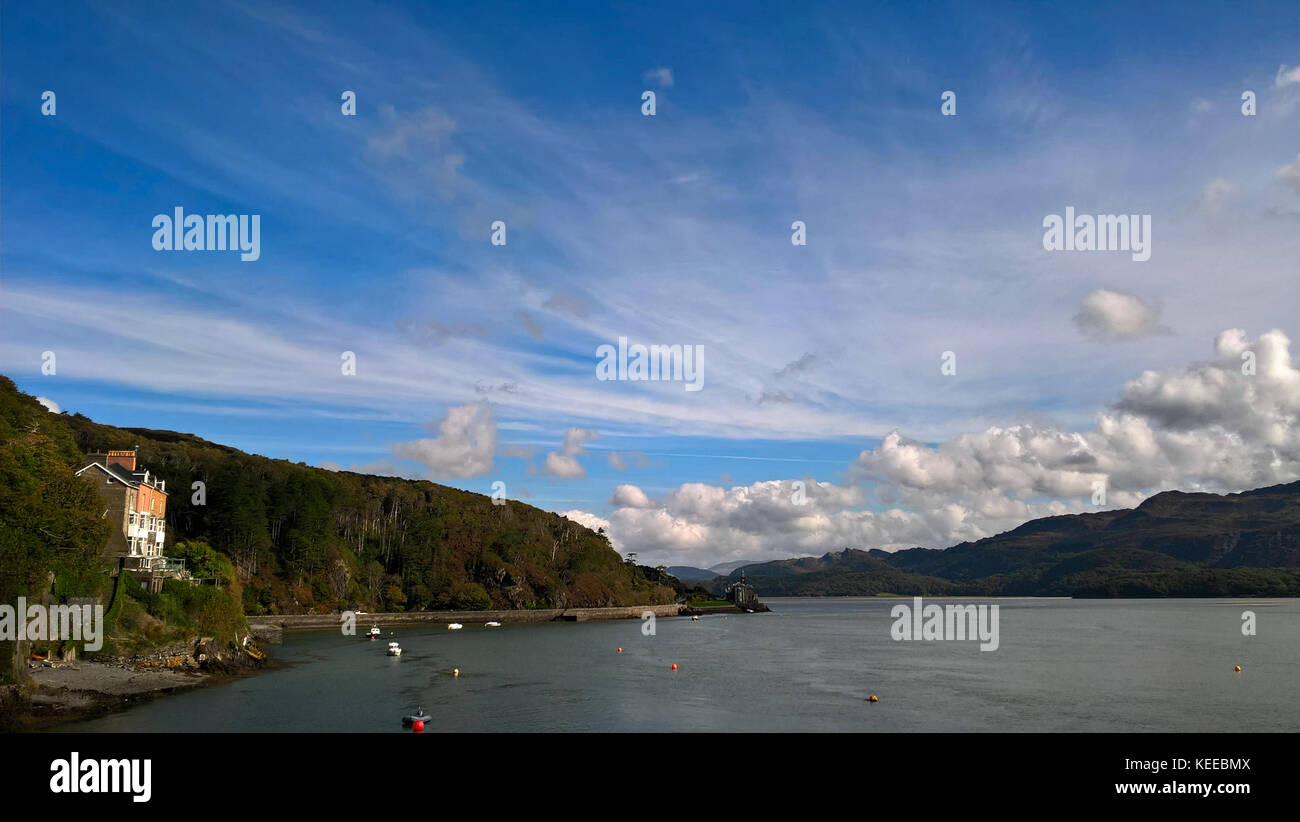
{"x": 810, "y": 665}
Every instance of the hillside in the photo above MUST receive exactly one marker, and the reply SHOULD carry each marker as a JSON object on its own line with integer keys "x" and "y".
{"x": 303, "y": 539}
{"x": 1173, "y": 544}
{"x": 688, "y": 572}
{"x": 50, "y": 529}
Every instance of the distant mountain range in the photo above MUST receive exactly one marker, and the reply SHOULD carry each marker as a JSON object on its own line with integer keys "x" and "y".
{"x": 689, "y": 573}
{"x": 1173, "y": 544}
{"x": 724, "y": 568}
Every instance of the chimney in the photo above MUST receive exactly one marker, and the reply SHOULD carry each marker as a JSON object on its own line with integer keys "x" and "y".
{"x": 126, "y": 459}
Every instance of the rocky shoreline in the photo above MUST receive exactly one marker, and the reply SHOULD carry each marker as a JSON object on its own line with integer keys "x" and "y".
{"x": 63, "y": 691}
{"x": 59, "y": 692}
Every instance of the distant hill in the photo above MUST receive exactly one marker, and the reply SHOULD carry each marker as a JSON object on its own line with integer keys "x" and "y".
{"x": 1173, "y": 544}
{"x": 725, "y": 568}
{"x": 686, "y": 572}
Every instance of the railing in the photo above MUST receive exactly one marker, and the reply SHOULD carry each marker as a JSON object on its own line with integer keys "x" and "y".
{"x": 140, "y": 563}
{"x": 156, "y": 563}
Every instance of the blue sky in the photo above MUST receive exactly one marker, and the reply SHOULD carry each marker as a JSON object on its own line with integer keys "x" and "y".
{"x": 475, "y": 362}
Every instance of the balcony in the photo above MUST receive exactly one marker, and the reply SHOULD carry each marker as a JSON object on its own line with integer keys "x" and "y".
{"x": 141, "y": 563}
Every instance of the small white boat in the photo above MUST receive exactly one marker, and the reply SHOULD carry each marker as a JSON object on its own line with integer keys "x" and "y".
{"x": 373, "y": 633}
{"x": 492, "y": 624}
{"x": 695, "y": 618}
{"x": 455, "y": 626}
{"x": 394, "y": 649}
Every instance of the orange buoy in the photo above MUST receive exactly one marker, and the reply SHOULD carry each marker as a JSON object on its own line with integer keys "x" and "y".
{"x": 418, "y": 726}
{"x": 1238, "y": 669}
{"x": 872, "y": 698}
{"x": 674, "y": 666}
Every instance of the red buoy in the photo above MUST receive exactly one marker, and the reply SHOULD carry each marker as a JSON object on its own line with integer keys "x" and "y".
{"x": 620, "y": 650}
{"x": 674, "y": 666}
{"x": 418, "y": 726}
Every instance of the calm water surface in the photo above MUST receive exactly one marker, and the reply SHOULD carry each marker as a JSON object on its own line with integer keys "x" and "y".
{"x": 1062, "y": 665}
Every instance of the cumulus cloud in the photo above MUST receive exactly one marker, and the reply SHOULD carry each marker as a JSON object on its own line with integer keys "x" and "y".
{"x": 589, "y": 520}
{"x": 564, "y": 463}
{"x": 709, "y": 524}
{"x": 1228, "y": 424}
{"x": 50, "y": 405}
{"x": 1261, "y": 407}
{"x": 1112, "y": 317}
{"x": 1209, "y": 425}
{"x": 1287, "y": 76}
{"x": 464, "y": 445}
{"x": 1289, "y": 174}
{"x": 630, "y": 496}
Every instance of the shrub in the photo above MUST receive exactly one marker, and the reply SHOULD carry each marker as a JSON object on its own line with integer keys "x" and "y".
{"x": 470, "y": 596}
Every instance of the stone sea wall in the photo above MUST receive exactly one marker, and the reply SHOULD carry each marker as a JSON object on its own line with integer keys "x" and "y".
{"x": 270, "y": 628}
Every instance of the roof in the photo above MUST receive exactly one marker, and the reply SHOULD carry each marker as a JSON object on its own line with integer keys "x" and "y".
{"x": 114, "y": 471}
{"x": 132, "y": 479}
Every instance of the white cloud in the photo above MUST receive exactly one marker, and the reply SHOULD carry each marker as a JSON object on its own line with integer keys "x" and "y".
{"x": 50, "y": 405}
{"x": 564, "y": 463}
{"x": 629, "y": 496}
{"x": 1218, "y": 193}
{"x": 1204, "y": 427}
{"x": 590, "y": 521}
{"x": 708, "y": 524}
{"x": 464, "y": 447}
{"x": 1287, "y": 76}
{"x": 1112, "y": 316}
{"x": 662, "y": 76}
{"x": 1289, "y": 174}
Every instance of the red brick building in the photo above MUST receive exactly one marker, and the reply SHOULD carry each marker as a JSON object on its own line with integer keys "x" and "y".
{"x": 136, "y": 502}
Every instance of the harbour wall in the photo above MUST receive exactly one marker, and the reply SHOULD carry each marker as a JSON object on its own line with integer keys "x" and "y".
{"x": 270, "y": 628}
